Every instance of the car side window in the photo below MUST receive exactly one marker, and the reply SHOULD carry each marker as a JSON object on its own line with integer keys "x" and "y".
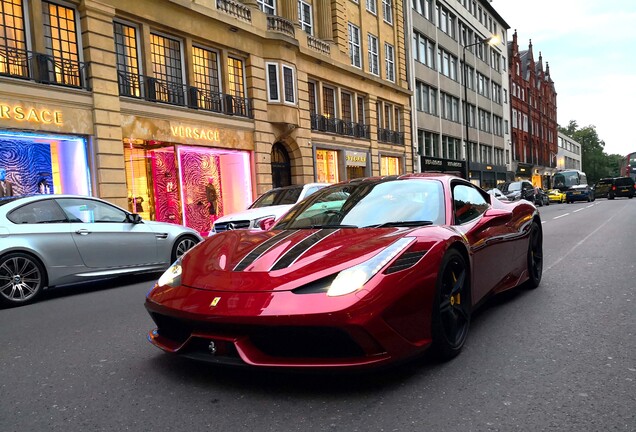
{"x": 468, "y": 203}
{"x": 46, "y": 211}
{"x": 89, "y": 211}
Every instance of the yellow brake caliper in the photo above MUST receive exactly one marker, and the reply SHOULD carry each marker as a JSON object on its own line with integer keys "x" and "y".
{"x": 456, "y": 298}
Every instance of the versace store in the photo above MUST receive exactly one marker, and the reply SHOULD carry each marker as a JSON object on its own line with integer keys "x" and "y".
{"x": 186, "y": 173}
{"x": 44, "y": 149}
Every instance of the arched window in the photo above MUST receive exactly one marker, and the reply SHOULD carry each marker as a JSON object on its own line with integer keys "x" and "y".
{"x": 281, "y": 166}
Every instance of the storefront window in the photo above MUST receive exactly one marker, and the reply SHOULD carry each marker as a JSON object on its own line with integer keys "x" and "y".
{"x": 43, "y": 163}
{"x": 389, "y": 165}
{"x": 327, "y": 166}
{"x": 186, "y": 185}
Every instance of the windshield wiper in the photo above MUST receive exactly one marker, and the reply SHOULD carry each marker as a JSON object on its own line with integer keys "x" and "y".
{"x": 330, "y": 226}
{"x": 402, "y": 224}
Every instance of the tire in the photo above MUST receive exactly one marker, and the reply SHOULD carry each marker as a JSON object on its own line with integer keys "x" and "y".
{"x": 610, "y": 196}
{"x": 452, "y": 306}
{"x": 182, "y": 245}
{"x": 22, "y": 278}
{"x": 535, "y": 256}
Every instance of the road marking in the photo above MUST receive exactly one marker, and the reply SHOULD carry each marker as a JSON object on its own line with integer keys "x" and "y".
{"x": 578, "y": 210}
{"x": 561, "y": 216}
{"x": 542, "y": 222}
{"x": 579, "y": 243}
{"x": 591, "y": 205}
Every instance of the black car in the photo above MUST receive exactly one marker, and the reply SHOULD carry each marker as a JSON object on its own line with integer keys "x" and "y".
{"x": 541, "y": 197}
{"x": 615, "y": 187}
{"x": 517, "y": 190}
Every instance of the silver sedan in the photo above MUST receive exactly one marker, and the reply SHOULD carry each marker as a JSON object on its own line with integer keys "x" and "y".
{"x": 52, "y": 240}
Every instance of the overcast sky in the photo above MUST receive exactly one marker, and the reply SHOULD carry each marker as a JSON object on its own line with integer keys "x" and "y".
{"x": 590, "y": 46}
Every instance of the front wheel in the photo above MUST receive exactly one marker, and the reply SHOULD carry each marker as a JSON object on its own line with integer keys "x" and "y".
{"x": 535, "y": 256}
{"x": 22, "y": 279}
{"x": 181, "y": 246}
{"x": 452, "y": 307}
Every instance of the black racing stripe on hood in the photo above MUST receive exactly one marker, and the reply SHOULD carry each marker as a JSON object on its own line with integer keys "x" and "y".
{"x": 262, "y": 248}
{"x": 294, "y": 253}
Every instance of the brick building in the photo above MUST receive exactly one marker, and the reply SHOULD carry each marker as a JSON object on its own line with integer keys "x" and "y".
{"x": 533, "y": 115}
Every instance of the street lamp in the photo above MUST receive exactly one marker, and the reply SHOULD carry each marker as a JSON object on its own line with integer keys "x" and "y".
{"x": 491, "y": 41}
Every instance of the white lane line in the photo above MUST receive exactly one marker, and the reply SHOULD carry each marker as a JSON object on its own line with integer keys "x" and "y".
{"x": 542, "y": 222}
{"x": 578, "y": 210}
{"x": 591, "y": 205}
{"x": 561, "y": 216}
{"x": 579, "y": 243}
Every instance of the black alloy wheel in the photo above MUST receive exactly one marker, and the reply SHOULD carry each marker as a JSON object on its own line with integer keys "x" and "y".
{"x": 452, "y": 307}
{"x": 535, "y": 256}
{"x": 22, "y": 278}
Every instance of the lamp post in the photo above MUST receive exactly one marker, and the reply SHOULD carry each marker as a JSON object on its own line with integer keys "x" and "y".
{"x": 492, "y": 40}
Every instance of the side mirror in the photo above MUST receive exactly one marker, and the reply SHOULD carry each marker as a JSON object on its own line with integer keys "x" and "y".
{"x": 134, "y": 218}
{"x": 267, "y": 223}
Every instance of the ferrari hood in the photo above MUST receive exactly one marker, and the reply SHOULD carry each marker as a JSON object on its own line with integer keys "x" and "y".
{"x": 244, "y": 260}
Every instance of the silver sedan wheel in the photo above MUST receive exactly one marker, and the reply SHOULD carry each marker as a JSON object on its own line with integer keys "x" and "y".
{"x": 21, "y": 279}
{"x": 182, "y": 246}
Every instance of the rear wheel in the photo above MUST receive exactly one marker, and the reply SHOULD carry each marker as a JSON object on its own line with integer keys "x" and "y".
{"x": 535, "y": 256}
{"x": 610, "y": 196}
{"x": 22, "y": 279}
{"x": 451, "y": 310}
{"x": 181, "y": 246}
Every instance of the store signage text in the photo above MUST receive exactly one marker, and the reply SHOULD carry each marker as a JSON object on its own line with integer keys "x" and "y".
{"x": 30, "y": 114}
{"x": 195, "y": 133}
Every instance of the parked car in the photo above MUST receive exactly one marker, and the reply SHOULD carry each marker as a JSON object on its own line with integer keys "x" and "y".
{"x": 556, "y": 196}
{"x": 541, "y": 197}
{"x": 393, "y": 267}
{"x": 582, "y": 192}
{"x": 517, "y": 190}
{"x": 611, "y": 188}
{"x": 272, "y": 204}
{"x": 497, "y": 193}
{"x": 52, "y": 240}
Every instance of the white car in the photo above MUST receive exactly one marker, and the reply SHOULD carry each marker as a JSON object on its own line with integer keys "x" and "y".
{"x": 273, "y": 203}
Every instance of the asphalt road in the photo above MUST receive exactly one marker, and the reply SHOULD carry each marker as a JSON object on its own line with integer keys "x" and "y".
{"x": 562, "y": 358}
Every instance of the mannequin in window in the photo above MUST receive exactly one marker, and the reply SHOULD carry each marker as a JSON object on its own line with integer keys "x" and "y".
{"x": 211, "y": 196}
{"x": 43, "y": 186}
{"x": 6, "y": 188}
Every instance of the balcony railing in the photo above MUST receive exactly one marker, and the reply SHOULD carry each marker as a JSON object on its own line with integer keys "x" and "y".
{"x": 155, "y": 90}
{"x": 318, "y": 45}
{"x": 341, "y": 127}
{"x": 235, "y": 9}
{"x": 43, "y": 68}
{"x": 389, "y": 136}
{"x": 280, "y": 25}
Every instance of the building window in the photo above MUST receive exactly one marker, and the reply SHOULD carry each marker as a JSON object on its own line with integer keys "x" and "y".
{"x": 354, "y": 46}
{"x": 13, "y": 43}
{"x": 426, "y": 98}
{"x": 361, "y": 116}
{"x": 167, "y": 68}
{"x": 311, "y": 89}
{"x": 128, "y": 70}
{"x": 267, "y": 6}
{"x": 206, "y": 78}
{"x": 304, "y": 16}
{"x": 389, "y": 62}
{"x": 346, "y": 113}
{"x": 329, "y": 102}
{"x": 289, "y": 84}
{"x": 372, "y": 6}
{"x": 387, "y": 11}
{"x": 373, "y": 55}
{"x": 60, "y": 37}
{"x": 236, "y": 81}
{"x": 272, "y": 82}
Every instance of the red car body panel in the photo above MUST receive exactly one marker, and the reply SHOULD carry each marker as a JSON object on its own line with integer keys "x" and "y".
{"x": 250, "y": 292}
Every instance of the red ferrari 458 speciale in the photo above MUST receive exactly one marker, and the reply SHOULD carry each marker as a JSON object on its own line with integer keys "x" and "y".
{"x": 361, "y": 273}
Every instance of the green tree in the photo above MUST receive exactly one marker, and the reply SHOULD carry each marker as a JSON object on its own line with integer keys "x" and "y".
{"x": 595, "y": 162}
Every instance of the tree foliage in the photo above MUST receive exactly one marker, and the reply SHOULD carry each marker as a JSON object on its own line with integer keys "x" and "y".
{"x": 595, "y": 162}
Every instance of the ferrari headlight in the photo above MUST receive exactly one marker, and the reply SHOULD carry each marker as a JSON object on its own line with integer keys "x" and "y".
{"x": 354, "y": 278}
{"x": 172, "y": 276}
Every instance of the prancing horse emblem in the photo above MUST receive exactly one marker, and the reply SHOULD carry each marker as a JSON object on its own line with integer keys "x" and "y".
{"x": 215, "y": 301}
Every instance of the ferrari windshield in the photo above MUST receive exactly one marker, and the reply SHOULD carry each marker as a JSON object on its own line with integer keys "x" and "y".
{"x": 365, "y": 204}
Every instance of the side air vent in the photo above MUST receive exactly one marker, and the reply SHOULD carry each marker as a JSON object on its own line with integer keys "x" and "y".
{"x": 409, "y": 259}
